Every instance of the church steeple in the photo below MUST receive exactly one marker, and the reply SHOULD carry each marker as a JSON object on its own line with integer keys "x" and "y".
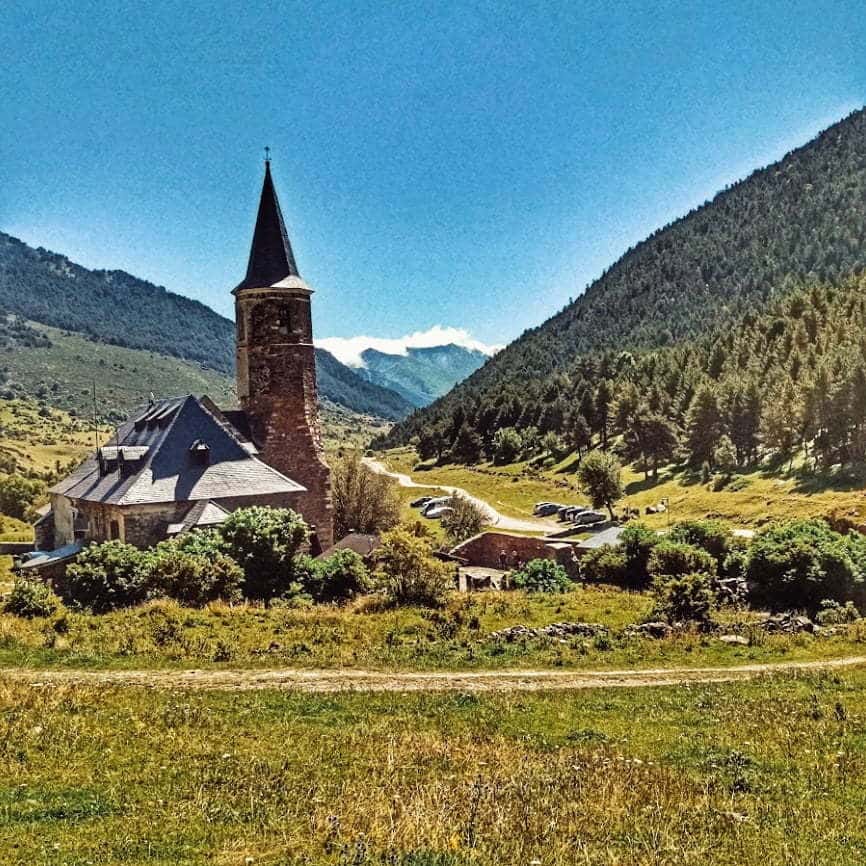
{"x": 276, "y": 365}
{"x": 271, "y": 256}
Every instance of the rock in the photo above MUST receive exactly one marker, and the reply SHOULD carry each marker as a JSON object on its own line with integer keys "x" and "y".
{"x": 656, "y": 629}
{"x": 734, "y": 639}
{"x": 558, "y": 631}
{"x": 788, "y": 623}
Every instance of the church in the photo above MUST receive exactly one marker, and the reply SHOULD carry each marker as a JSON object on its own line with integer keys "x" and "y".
{"x": 183, "y": 463}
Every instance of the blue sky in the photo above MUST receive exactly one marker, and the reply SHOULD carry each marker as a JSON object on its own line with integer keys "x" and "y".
{"x": 469, "y": 165}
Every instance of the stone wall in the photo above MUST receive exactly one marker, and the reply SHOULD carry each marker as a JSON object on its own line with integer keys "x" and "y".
{"x": 484, "y": 549}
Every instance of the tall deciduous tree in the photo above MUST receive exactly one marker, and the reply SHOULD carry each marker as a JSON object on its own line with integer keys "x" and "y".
{"x": 600, "y": 477}
{"x": 364, "y": 501}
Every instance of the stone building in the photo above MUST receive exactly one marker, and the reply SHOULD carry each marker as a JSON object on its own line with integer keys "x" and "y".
{"x": 182, "y": 463}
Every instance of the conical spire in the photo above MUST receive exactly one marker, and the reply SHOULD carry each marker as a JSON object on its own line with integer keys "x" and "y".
{"x": 271, "y": 256}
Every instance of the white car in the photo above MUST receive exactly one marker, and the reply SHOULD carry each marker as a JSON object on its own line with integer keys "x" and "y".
{"x": 587, "y": 518}
{"x": 437, "y": 512}
{"x": 435, "y": 503}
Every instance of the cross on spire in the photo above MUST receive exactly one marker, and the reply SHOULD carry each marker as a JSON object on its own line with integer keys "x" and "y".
{"x": 267, "y": 154}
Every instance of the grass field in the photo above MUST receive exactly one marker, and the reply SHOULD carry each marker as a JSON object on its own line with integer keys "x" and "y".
{"x": 771, "y": 772}
{"x": 750, "y": 500}
{"x": 165, "y": 635}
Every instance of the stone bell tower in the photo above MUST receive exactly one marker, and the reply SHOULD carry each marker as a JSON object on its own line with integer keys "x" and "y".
{"x": 276, "y": 364}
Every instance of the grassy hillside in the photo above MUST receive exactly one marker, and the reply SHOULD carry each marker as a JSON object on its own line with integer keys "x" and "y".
{"x": 799, "y": 220}
{"x": 63, "y": 374}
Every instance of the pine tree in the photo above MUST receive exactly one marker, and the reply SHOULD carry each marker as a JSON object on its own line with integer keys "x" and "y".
{"x": 703, "y": 425}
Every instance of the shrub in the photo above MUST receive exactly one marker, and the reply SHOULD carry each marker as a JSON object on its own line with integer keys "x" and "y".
{"x": 684, "y": 598}
{"x": 637, "y": 542}
{"x": 833, "y": 613}
{"x": 737, "y": 560}
{"x": 605, "y": 564}
{"x": 106, "y": 577}
{"x": 799, "y": 564}
{"x": 407, "y": 573}
{"x": 31, "y": 598}
{"x": 465, "y": 520}
{"x": 674, "y": 558}
{"x": 176, "y": 570}
{"x": 265, "y": 543}
{"x": 713, "y": 536}
{"x": 341, "y": 576}
{"x": 542, "y": 575}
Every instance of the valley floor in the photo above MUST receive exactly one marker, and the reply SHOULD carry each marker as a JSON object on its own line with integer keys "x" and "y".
{"x": 747, "y": 500}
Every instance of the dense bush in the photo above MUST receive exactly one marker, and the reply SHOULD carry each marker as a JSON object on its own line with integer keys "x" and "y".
{"x": 637, "y": 542}
{"x": 340, "y": 577}
{"x": 193, "y": 571}
{"x": 674, "y": 558}
{"x": 605, "y": 564}
{"x": 265, "y": 543}
{"x": 106, "y": 577}
{"x": 713, "y": 536}
{"x": 542, "y": 575}
{"x": 833, "y": 613}
{"x": 407, "y": 573}
{"x": 684, "y": 598}
{"x": 798, "y": 565}
{"x": 17, "y": 495}
{"x": 31, "y": 598}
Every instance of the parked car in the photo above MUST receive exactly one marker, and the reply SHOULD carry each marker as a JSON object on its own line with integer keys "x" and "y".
{"x": 587, "y": 518}
{"x": 567, "y": 512}
{"x": 547, "y": 509}
{"x": 540, "y": 505}
{"x": 434, "y": 503}
{"x": 420, "y": 502}
{"x": 437, "y": 512}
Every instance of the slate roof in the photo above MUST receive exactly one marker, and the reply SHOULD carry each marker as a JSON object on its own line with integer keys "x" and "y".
{"x": 42, "y": 558}
{"x": 167, "y": 471}
{"x": 203, "y": 514}
{"x": 271, "y": 257}
{"x": 363, "y": 545}
{"x": 610, "y": 536}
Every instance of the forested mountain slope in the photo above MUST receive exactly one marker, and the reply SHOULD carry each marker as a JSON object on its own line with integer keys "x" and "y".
{"x": 116, "y": 309}
{"x": 800, "y": 220}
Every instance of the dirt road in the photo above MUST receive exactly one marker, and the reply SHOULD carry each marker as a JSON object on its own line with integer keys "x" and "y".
{"x": 288, "y": 679}
{"x": 494, "y": 517}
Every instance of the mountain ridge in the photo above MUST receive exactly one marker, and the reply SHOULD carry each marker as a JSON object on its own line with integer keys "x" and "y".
{"x": 48, "y": 288}
{"x": 420, "y": 374}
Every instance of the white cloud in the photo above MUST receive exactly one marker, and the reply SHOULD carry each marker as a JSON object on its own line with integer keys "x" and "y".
{"x": 349, "y": 349}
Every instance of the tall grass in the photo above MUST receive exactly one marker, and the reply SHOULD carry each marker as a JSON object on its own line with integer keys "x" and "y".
{"x": 760, "y": 773}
